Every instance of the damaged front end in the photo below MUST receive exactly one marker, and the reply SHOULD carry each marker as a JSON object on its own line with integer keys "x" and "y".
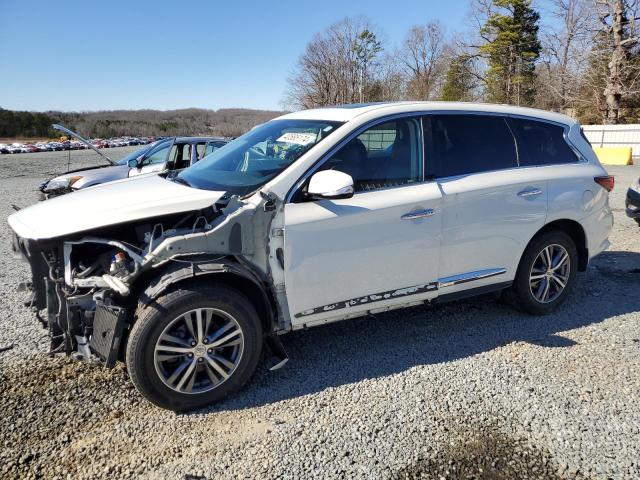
{"x": 86, "y": 288}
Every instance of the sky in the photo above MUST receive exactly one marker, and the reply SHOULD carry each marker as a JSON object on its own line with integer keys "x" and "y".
{"x": 105, "y": 55}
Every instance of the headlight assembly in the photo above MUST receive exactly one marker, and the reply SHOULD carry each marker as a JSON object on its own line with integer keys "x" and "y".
{"x": 62, "y": 183}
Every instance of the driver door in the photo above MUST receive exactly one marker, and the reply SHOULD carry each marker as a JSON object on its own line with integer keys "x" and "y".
{"x": 377, "y": 249}
{"x": 155, "y": 161}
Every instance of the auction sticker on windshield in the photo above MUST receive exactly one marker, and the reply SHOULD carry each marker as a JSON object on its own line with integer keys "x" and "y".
{"x": 298, "y": 138}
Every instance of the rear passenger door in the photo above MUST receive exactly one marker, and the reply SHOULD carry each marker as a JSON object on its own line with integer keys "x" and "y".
{"x": 491, "y": 207}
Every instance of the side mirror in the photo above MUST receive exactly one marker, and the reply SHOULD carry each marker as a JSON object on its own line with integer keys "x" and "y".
{"x": 330, "y": 184}
{"x": 136, "y": 162}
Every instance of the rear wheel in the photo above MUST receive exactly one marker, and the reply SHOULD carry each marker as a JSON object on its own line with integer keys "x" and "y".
{"x": 546, "y": 273}
{"x": 194, "y": 346}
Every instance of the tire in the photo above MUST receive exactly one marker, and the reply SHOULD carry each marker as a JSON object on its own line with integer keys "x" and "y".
{"x": 162, "y": 326}
{"x": 527, "y": 294}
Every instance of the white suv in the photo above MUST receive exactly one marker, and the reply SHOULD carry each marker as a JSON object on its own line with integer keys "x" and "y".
{"x": 314, "y": 217}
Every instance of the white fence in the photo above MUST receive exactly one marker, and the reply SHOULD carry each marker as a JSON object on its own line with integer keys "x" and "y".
{"x": 615, "y": 136}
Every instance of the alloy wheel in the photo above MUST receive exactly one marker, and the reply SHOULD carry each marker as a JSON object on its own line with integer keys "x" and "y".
{"x": 199, "y": 350}
{"x": 550, "y": 273}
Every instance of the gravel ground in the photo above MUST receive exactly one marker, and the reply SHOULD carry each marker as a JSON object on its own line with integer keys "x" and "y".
{"x": 463, "y": 390}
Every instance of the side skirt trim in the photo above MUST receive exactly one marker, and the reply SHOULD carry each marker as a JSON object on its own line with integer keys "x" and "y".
{"x": 376, "y": 297}
{"x": 469, "y": 277}
{"x": 472, "y": 292}
{"x": 414, "y": 290}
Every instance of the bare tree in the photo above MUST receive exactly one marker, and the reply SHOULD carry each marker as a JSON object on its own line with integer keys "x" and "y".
{"x": 391, "y": 78}
{"x": 423, "y": 55}
{"x": 619, "y": 35}
{"x": 336, "y": 66}
{"x": 563, "y": 54}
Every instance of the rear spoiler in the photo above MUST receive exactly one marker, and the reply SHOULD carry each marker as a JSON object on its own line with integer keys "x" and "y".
{"x": 60, "y": 128}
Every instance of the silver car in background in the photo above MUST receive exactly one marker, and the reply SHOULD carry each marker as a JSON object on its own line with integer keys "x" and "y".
{"x": 169, "y": 154}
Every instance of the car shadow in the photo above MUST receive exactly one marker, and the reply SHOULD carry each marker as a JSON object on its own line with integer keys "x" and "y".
{"x": 390, "y": 343}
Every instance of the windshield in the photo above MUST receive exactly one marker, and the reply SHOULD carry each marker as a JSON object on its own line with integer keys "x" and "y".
{"x": 245, "y": 164}
{"x": 136, "y": 154}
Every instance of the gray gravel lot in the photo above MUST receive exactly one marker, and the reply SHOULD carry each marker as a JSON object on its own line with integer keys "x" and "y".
{"x": 463, "y": 390}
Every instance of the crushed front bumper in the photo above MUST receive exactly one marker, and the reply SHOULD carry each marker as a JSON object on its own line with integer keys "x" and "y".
{"x": 77, "y": 325}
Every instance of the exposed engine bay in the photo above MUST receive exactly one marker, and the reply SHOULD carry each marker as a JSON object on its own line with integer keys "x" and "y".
{"x": 85, "y": 289}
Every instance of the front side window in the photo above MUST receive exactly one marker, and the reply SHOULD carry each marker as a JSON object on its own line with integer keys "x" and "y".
{"x": 134, "y": 155}
{"x": 542, "y": 143}
{"x": 464, "y": 144}
{"x": 386, "y": 155}
{"x": 250, "y": 161}
{"x": 158, "y": 154}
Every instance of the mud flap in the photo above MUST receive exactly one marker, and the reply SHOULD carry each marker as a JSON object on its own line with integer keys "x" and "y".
{"x": 277, "y": 348}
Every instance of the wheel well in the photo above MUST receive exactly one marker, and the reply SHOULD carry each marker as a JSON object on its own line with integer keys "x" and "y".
{"x": 576, "y": 232}
{"x": 260, "y": 299}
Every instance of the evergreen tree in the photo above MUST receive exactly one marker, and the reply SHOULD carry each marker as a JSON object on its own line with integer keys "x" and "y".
{"x": 512, "y": 49}
{"x": 366, "y": 48}
{"x": 460, "y": 82}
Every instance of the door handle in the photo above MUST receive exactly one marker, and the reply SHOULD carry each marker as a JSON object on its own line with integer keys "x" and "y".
{"x": 418, "y": 214}
{"x": 533, "y": 192}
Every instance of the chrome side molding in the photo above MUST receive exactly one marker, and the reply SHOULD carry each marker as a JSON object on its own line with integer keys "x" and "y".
{"x": 469, "y": 277}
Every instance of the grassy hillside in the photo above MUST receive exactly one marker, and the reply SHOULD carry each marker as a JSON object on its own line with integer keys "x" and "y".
{"x": 104, "y": 124}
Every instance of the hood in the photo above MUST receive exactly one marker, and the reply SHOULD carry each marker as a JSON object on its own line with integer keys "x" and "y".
{"x": 92, "y": 176}
{"x": 83, "y": 140}
{"x": 109, "y": 204}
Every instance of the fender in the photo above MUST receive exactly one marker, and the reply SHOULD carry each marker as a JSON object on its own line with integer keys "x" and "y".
{"x": 183, "y": 270}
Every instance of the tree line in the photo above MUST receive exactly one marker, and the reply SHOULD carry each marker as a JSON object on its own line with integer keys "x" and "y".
{"x": 580, "y": 57}
{"x": 117, "y": 123}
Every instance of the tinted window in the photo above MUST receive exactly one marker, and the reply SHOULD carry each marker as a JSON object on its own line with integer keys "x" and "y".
{"x": 385, "y": 155}
{"x": 542, "y": 143}
{"x": 461, "y": 144}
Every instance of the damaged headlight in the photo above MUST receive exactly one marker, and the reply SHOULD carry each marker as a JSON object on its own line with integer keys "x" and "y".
{"x": 61, "y": 183}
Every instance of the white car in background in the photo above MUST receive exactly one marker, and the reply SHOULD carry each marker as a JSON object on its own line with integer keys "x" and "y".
{"x": 314, "y": 217}
{"x": 17, "y": 148}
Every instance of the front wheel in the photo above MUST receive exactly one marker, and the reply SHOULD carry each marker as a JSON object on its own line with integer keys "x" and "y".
{"x": 194, "y": 346}
{"x": 546, "y": 274}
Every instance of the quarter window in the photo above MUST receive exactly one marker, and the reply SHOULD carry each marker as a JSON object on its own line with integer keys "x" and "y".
{"x": 542, "y": 143}
{"x": 383, "y": 156}
{"x": 463, "y": 144}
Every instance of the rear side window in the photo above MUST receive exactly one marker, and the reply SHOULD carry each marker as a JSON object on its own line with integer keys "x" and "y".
{"x": 463, "y": 144}
{"x": 542, "y": 143}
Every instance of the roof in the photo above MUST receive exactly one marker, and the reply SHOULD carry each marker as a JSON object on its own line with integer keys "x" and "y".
{"x": 198, "y": 139}
{"x": 345, "y": 113}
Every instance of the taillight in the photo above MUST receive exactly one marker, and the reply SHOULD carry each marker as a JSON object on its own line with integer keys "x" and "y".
{"x": 607, "y": 182}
